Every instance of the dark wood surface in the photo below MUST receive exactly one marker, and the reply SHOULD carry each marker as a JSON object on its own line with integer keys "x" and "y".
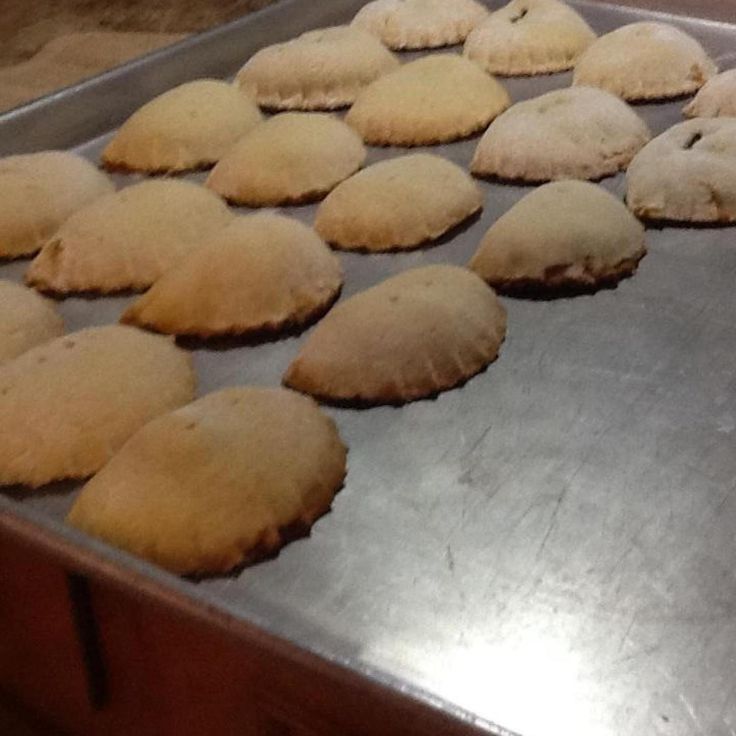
{"x": 170, "y": 666}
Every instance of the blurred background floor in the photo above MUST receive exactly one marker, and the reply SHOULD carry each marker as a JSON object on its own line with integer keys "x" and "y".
{"x": 48, "y": 44}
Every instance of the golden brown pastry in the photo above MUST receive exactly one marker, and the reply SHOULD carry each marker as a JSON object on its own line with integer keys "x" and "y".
{"x": 438, "y": 98}
{"x": 289, "y": 159}
{"x": 68, "y": 405}
{"x": 215, "y": 483}
{"x": 38, "y": 191}
{"x": 320, "y": 70}
{"x": 563, "y": 235}
{"x": 128, "y": 239}
{"x": 188, "y": 127}
{"x": 261, "y": 273}
{"x": 398, "y": 204}
{"x": 426, "y": 330}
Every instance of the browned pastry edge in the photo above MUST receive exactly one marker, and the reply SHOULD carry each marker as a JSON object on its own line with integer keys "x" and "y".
{"x": 557, "y": 283}
{"x": 396, "y": 139}
{"x": 358, "y": 401}
{"x": 314, "y": 195}
{"x": 261, "y": 333}
{"x": 114, "y": 167}
{"x": 429, "y": 242}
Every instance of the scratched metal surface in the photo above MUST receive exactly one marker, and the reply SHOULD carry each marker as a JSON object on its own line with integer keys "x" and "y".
{"x": 550, "y": 548}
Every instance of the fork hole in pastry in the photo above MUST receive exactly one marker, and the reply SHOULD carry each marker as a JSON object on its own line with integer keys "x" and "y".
{"x": 692, "y": 140}
{"x": 521, "y": 15}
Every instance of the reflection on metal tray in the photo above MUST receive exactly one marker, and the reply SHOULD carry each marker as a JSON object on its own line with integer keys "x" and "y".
{"x": 551, "y": 547}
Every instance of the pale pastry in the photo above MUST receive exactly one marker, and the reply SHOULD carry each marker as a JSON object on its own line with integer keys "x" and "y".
{"x": 529, "y": 37}
{"x": 716, "y": 98}
{"x": 26, "y": 320}
{"x": 38, "y": 191}
{"x": 128, "y": 239}
{"x": 216, "y": 483}
{"x": 645, "y": 61}
{"x": 398, "y": 204}
{"x": 426, "y": 330}
{"x": 289, "y": 159}
{"x": 320, "y": 70}
{"x": 188, "y": 127}
{"x": 563, "y": 235}
{"x": 571, "y": 133}
{"x": 686, "y": 174}
{"x": 68, "y": 405}
{"x": 438, "y": 98}
{"x": 420, "y": 24}
{"x": 261, "y": 273}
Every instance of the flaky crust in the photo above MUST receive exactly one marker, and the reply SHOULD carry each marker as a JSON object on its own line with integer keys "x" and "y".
{"x": 437, "y": 98}
{"x": 323, "y": 69}
{"x": 68, "y": 405}
{"x": 571, "y": 133}
{"x": 426, "y": 330}
{"x": 209, "y": 486}
{"x": 645, "y": 61}
{"x": 398, "y": 204}
{"x": 686, "y": 174}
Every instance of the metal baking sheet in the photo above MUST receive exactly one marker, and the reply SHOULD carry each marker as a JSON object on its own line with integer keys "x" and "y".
{"x": 550, "y": 548}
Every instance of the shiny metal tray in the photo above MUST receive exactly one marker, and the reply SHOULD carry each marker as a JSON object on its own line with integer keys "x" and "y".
{"x": 551, "y": 547}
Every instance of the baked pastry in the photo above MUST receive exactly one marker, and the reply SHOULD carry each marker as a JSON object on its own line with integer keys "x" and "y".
{"x": 188, "y": 127}
{"x": 320, "y": 70}
{"x": 68, "y": 405}
{"x": 291, "y": 158}
{"x": 571, "y": 133}
{"x": 426, "y": 330}
{"x": 397, "y": 204}
{"x": 645, "y": 61}
{"x": 261, "y": 273}
{"x": 563, "y": 235}
{"x": 716, "y": 98}
{"x": 128, "y": 239}
{"x": 26, "y": 320}
{"x": 438, "y": 98}
{"x": 420, "y": 24}
{"x": 38, "y": 191}
{"x": 686, "y": 174}
{"x": 218, "y": 482}
{"x": 529, "y": 37}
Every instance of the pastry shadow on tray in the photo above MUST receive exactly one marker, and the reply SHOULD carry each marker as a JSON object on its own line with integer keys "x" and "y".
{"x": 365, "y": 404}
{"x": 535, "y": 292}
{"x": 20, "y": 492}
{"x": 662, "y": 224}
{"x": 534, "y": 183}
{"x": 255, "y": 337}
{"x": 294, "y": 532}
{"x": 443, "y": 239}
